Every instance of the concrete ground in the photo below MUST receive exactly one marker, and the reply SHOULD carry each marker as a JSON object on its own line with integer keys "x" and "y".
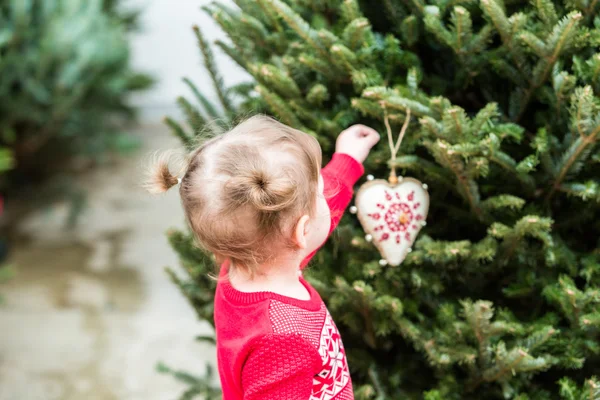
{"x": 91, "y": 311}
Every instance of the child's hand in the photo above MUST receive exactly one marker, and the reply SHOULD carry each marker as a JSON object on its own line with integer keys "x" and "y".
{"x": 357, "y": 141}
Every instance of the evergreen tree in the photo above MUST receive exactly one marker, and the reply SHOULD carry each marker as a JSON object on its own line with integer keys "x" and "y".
{"x": 500, "y": 297}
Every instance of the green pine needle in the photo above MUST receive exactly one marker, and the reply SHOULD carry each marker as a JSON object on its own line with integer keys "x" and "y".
{"x": 209, "y": 64}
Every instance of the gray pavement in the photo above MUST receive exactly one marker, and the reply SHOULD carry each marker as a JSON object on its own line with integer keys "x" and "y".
{"x": 91, "y": 311}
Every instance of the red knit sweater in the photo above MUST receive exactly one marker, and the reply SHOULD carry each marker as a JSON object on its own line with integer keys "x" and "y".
{"x": 271, "y": 346}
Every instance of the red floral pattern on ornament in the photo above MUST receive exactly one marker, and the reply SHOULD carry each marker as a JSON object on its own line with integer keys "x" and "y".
{"x": 398, "y": 215}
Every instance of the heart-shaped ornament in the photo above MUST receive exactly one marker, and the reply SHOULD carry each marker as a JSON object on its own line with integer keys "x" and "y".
{"x": 392, "y": 215}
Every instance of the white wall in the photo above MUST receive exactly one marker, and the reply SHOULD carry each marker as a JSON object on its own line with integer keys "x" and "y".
{"x": 166, "y": 48}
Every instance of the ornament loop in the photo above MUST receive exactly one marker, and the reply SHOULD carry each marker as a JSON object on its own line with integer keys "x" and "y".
{"x": 394, "y": 147}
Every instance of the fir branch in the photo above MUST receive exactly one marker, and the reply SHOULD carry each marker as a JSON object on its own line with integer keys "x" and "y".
{"x": 362, "y": 295}
{"x": 357, "y": 33}
{"x": 209, "y": 64}
{"x": 231, "y": 23}
{"x": 194, "y": 118}
{"x": 256, "y": 30}
{"x": 486, "y": 117}
{"x": 535, "y": 43}
{"x": 381, "y": 395}
{"x": 328, "y": 38}
{"x": 178, "y": 131}
{"x": 445, "y": 252}
{"x": 485, "y": 250}
{"x": 179, "y": 375}
{"x": 317, "y": 94}
{"x": 593, "y": 389}
{"x": 434, "y": 24}
{"x": 365, "y": 77}
{"x": 323, "y": 67}
{"x": 568, "y": 389}
{"x": 298, "y": 25}
{"x": 421, "y": 165}
{"x": 469, "y": 188}
{"x": 210, "y": 339}
{"x": 496, "y": 14}
{"x": 271, "y": 15}
{"x": 209, "y": 108}
{"x": 367, "y": 107}
{"x": 350, "y": 11}
{"x": 502, "y": 201}
{"x": 571, "y": 300}
{"x": 519, "y": 170}
{"x": 344, "y": 58}
{"x": 498, "y": 373}
{"x": 562, "y": 33}
{"x": 276, "y": 79}
{"x": 410, "y": 30}
{"x": 279, "y": 107}
{"x": 233, "y": 53}
{"x": 585, "y": 121}
{"x": 463, "y": 25}
{"x": 589, "y": 10}
{"x": 546, "y": 11}
{"x": 575, "y": 150}
{"x": 590, "y": 320}
{"x": 302, "y": 111}
{"x": 529, "y": 225}
{"x": 198, "y": 385}
{"x": 585, "y": 191}
{"x": 538, "y": 338}
{"x": 412, "y": 81}
{"x": 478, "y": 315}
{"x": 391, "y": 99}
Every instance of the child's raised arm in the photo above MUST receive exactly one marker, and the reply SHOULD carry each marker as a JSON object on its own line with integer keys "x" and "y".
{"x": 343, "y": 171}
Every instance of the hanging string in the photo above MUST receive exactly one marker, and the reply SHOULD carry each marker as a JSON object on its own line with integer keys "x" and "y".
{"x": 394, "y": 147}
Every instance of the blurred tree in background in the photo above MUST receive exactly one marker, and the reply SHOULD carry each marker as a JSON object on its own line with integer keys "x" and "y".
{"x": 500, "y": 298}
{"x": 64, "y": 78}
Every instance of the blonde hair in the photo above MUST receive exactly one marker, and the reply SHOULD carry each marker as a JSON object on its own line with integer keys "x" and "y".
{"x": 240, "y": 190}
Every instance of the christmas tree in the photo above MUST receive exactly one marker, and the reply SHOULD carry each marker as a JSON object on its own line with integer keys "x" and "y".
{"x": 500, "y": 297}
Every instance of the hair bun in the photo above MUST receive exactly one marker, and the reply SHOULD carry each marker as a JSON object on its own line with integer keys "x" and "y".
{"x": 261, "y": 180}
{"x": 263, "y": 190}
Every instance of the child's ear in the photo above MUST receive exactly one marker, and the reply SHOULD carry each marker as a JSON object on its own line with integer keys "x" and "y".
{"x": 301, "y": 232}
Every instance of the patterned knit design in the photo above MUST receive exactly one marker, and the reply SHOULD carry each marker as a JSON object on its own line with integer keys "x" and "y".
{"x": 334, "y": 376}
{"x": 280, "y": 367}
{"x": 346, "y": 394}
{"x": 317, "y": 328}
{"x": 289, "y": 319}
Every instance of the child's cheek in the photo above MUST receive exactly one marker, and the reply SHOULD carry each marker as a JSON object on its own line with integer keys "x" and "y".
{"x": 322, "y": 224}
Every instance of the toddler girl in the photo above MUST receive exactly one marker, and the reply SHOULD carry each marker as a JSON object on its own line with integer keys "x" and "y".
{"x": 257, "y": 198}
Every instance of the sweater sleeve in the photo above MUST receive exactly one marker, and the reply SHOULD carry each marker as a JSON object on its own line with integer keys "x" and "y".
{"x": 339, "y": 177}
{"x": 280, "y": 367}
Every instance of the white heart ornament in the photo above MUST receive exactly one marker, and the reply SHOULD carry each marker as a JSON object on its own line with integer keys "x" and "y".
{"x": 392, "y": 215}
